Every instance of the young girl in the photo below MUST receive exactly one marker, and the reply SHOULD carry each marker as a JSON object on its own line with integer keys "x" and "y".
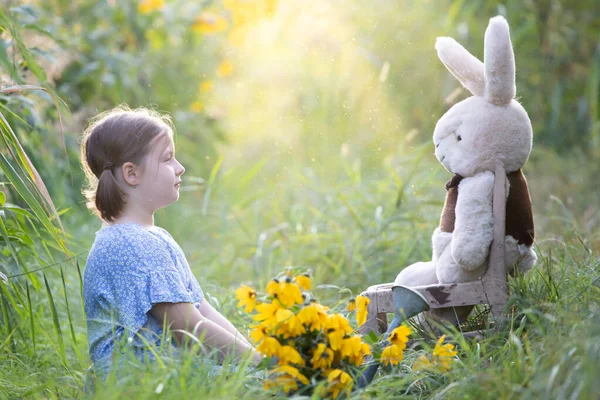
{"x": 137, "y": 279}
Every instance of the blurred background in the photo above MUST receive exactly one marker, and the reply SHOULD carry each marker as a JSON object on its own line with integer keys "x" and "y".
{"x": 304, "y": 125}
{"x": 292, "y": 115}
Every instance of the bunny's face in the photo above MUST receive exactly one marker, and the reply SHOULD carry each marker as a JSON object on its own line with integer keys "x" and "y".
{"x": 474, "y": 133}
{"x": 491, "y": 125}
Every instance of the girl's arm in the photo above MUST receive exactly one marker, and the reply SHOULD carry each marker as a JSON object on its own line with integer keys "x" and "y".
{"x": 186, "y": 317}
{"x": 209, "y": 312}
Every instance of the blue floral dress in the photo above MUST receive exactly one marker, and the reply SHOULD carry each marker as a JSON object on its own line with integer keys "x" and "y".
{"x": 130, "y": 268}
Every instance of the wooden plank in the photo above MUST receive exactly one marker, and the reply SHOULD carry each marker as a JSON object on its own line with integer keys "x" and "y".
{"x": 495, "y": 282}
{"x": 437, "y": 296}
{"x": 453, "y": 294}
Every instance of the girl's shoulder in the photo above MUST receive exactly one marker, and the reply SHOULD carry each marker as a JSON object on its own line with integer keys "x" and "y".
{"x": 127, "y": 242}
{"x": 126, "y": 233}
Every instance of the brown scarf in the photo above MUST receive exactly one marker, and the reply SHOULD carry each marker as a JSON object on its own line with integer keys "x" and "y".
{"x": 519, "y": 216}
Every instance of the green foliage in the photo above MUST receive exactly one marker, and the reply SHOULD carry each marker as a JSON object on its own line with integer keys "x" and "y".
{"x": 556, "y": 48}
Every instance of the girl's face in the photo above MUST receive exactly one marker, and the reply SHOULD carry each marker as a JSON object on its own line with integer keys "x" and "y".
{"x": 161, "y": 177}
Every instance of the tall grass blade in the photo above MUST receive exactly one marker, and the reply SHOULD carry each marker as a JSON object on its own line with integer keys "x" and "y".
{"x": 80, "y": 285}
{"x": 30, "y": 312}
{"x": 55, "y": 320}
{"x": 8, "y": 243}
{"x": 5, "y": 316}
{"x": 62, "y": 277}
{"x": 7, "y": 133}
{"x": 211, "y": 180}
{"x": 353, "y": 212}
{"x": 31, "y": 199}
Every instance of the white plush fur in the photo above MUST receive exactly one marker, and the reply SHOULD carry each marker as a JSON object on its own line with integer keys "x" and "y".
{"x": 516, "y": 256}
{"x": 474, "y": 226}
{"x": 439, "y": 241}
{"x": 499, "y": 59}
{"x": 463, "y": 65}
{"x": 491, "y": 125}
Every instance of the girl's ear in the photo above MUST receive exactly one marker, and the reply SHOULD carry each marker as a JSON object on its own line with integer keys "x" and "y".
{"x": 131, "y": 173}
{"x": 463, "y": 65}
{"x": 499, "y": 60}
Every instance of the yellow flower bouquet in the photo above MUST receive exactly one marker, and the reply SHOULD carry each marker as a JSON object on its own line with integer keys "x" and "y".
{"x": 315, "y": 349}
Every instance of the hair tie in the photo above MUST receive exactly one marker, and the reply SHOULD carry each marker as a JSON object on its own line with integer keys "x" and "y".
{"x": 107, "y": 166}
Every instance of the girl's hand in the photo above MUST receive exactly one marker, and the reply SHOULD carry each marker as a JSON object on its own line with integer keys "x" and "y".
{"x": 256, "y": 357}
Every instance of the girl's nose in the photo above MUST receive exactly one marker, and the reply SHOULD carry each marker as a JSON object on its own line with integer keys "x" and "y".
{"x": 180, "y": 169}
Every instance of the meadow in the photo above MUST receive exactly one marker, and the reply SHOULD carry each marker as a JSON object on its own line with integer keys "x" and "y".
{"x": 305, "y": 129}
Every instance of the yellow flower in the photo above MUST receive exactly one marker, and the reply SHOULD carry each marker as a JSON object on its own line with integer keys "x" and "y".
{"x": 322, "y": 357}
{"x": 366, "y": 351}
{"x": 209, "y": 23}
{"x": 336, "y": 327}
{"x": 361, "y": 304}
{"x": 206, "y": 86}
{"x": 269, "y": 346}
{"x": 338, "y": 322}
{"x": 286, "y": 292}
{"x": 246, "y": 296}
{"x": 339, "y": 381}
{"x": 197, "y": 107}
{"x": 286, "y": 377}
{"x": 351, "y": 346}
{"x": 282, "y": 315}
{"x": 313, "y": 316}
{"x": 354, "y": 350}
{"x": 273, "y": 287}
{"x": 392, "y": 355}
{"x": 290, "y": 293}
{"x": 270, "y": 384}
{"x": 287, "y": 324}
{"x": 258, "y": 333}
{"x": 267, "y": 314}
{"x": 443, "y": 354}
{"x": 351, "y": 305}
{"x": 335, "y": 339}
{"x": 421, "y": 363}
{"x": 399, "y": 336}
{"x": 147, "y": 6}
{"x": 225, "y": 69}
{"x": 304, "y": 281}
{"x": 289, "y": 355}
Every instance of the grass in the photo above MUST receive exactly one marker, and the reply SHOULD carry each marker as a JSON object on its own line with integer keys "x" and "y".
{"x": 347, "y": 229}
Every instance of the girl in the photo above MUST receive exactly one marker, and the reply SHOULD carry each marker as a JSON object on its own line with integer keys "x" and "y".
{"x": 137, "y": 279}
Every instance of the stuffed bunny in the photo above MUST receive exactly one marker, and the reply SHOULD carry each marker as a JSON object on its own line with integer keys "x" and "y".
{"x": 488, "y": 126}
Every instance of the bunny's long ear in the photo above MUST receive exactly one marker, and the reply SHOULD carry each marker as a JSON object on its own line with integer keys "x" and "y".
{"x": 463, "y": 65}
{"x": 499, "y": 61}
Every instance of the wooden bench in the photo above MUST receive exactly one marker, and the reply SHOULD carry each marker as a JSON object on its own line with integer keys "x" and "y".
{"x": 491, "y": 289}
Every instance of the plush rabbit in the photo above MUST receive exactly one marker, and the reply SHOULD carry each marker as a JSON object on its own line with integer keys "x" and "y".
{"x": 488, "y": 126}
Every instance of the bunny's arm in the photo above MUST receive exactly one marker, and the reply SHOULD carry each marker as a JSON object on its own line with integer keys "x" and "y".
{"x": 473, "y": 230}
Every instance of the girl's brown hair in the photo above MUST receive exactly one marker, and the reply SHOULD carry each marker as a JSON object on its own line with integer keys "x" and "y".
{"x": 111, "y": 139}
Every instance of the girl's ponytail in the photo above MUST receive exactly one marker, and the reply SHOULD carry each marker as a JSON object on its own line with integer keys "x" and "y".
{"x": 109, "y": 198}
{"x": 113, "y": 138}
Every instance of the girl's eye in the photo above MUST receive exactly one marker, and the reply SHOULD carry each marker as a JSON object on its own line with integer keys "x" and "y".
{"x": 458, "y": 138}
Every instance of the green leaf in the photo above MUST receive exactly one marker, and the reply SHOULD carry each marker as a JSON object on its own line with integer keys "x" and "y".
{"x": 55, "y": 320}
{"x": 30, "y": 312}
